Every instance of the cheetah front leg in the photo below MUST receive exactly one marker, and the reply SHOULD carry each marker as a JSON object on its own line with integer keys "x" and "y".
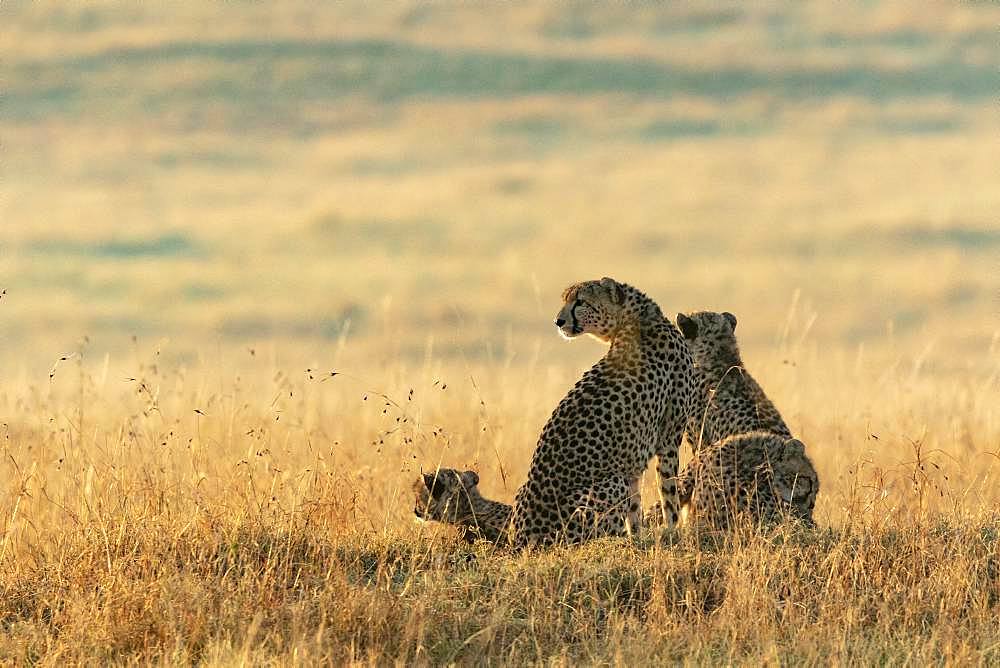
{"x": 633, "y": 518}
{"x": 667, "y": 464}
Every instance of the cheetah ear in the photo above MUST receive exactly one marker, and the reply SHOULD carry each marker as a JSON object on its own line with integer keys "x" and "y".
{"x": 687, "y": 326}
{"x": 795, "y": 448}
{"x": 470, "y": 479}
{"x": 615, "y": 288}
{"x": 433, "y": 485}
{"x": 731, "y": 319}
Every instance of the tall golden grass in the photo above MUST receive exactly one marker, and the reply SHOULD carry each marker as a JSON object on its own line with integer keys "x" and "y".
{"x": 194, "y": 516}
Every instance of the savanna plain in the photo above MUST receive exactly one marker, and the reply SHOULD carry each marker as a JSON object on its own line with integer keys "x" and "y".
{"x": 262, "y": 264}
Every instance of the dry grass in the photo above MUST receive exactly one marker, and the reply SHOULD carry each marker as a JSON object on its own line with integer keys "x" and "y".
{"x": 209, "y": 208}
{"x": 274, "y": 526}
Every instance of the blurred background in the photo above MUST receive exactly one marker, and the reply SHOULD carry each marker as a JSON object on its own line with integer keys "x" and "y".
{"x": 372, "y": 183}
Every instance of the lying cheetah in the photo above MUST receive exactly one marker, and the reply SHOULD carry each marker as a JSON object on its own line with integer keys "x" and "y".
{"x": 453, "y": 497}
{"x": 758, "y": 476}
{"x": 729, "y": 401}
{"x": 584, "y": 476}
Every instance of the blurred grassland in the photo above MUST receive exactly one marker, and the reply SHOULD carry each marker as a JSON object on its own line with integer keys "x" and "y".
{"x": 210, "y": 207}
{"x": 184, "y": 171}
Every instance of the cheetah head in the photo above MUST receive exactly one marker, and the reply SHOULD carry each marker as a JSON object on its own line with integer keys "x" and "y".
{"x": 446, "y": 495}
{"x": 710, "y": 336}
{"x": 592, "y": 307}
{"x": 795, "y": 480}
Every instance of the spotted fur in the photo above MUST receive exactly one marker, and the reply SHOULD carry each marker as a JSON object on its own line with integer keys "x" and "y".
{"x": 728, "y": 400}
{"x": 453, "y": 497}
{"x": 634, "y": 403}
{"x": 759, "y": 476}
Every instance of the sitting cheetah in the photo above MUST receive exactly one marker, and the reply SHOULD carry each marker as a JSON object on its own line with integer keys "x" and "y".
{"x": 728, "y": 400}
{"x": 453, "y": 497}
{"x": 584, "y": 476}
{"x": 759, "y": 476}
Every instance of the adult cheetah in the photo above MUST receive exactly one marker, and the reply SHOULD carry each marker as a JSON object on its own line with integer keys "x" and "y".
{"x": 728, "y": 400}
{"x": 758, "y": 476}
{"x": 583, "y": 481}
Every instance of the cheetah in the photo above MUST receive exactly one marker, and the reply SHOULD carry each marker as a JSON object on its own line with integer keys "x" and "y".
{"x": 453, "y": 497}
{"x": 729, "y": 401}
{"x": 759, "y": 476}
{"x": 583, "y": 481}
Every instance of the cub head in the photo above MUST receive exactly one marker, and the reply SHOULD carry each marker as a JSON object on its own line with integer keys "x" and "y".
{"x": 710, "y": 336}
{"x": 593, "y": 307}
{"x": 446, "y": 496}
{"x": 794, "y": 479}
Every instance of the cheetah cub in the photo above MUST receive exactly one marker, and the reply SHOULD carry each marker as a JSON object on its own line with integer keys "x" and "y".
{"x": 453, "y": 497}
{"x": 759, "y": 476}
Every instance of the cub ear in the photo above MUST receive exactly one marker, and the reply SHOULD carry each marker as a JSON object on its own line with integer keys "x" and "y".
{"x": 687, "y": 326}
{"x": 731, "y": 319}
{"x": 470, "y": 479}
{"x": 615, "y": 288}
{"x": 433, "y": 485}
{"x": 795, "y": 448}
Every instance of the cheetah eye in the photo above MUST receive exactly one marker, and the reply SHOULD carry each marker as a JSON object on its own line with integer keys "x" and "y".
{"x": 801, "y": 489}
{"x": 434, "y": 485}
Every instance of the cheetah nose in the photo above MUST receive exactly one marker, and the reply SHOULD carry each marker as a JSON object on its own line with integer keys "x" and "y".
{"x": 560, "y": 322}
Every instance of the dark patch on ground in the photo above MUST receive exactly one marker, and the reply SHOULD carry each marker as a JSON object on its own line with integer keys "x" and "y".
{"x": 388, "y": 71}
{"x": 166, "y": 245}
